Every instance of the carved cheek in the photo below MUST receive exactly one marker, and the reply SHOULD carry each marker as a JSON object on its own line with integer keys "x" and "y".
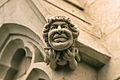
{"x": 51, "y": 33}
{"x": 62, "y": 44}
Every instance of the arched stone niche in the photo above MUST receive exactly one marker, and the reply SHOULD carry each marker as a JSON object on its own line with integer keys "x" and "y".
{"x": 6, "y": 58}
{"x": 19, "y": 65}
{"x": 14, "y": 60}
{"x": 38, "y": 74}
{"x": 19, "y": 47}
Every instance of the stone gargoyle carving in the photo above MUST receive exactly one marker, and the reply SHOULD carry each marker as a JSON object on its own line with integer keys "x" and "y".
{"x": 60, "y": 35}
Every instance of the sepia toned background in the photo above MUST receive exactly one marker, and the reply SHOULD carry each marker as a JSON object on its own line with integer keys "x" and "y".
{"x": 22, "y": 46}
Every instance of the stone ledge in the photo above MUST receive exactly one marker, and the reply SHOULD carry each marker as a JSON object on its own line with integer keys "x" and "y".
{"x": 93, "y": 57}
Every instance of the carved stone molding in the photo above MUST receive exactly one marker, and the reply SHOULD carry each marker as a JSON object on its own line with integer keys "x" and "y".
{"x": 2, "y": 2}
{"x": 19, "y": 48}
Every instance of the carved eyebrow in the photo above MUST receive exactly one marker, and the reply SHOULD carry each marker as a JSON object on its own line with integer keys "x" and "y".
{"x": 58, "y": 24}
{"x": 54, "y": 24}
{"x": 64, "y": 24}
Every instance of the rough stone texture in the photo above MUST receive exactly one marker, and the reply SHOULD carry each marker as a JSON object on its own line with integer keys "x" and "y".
{"x": 21, "y": 43}
{"x": 106, "y": 15}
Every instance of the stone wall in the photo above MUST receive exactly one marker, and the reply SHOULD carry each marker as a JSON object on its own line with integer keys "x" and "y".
{"x": 106, "y": 15}
{"x": 22, "y": 45}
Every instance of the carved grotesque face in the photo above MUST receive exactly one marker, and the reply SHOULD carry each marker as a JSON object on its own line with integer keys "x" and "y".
{"x": 59, "y": 36}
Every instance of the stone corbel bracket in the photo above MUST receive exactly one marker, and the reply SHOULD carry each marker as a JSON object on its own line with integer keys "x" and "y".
{"x": 93, "y": 57}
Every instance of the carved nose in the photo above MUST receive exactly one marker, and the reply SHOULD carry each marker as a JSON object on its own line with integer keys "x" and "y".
{"x": 59, "y": 29}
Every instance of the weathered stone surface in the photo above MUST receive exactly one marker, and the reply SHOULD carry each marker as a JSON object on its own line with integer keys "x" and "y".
{"x": 98, "y": 24}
